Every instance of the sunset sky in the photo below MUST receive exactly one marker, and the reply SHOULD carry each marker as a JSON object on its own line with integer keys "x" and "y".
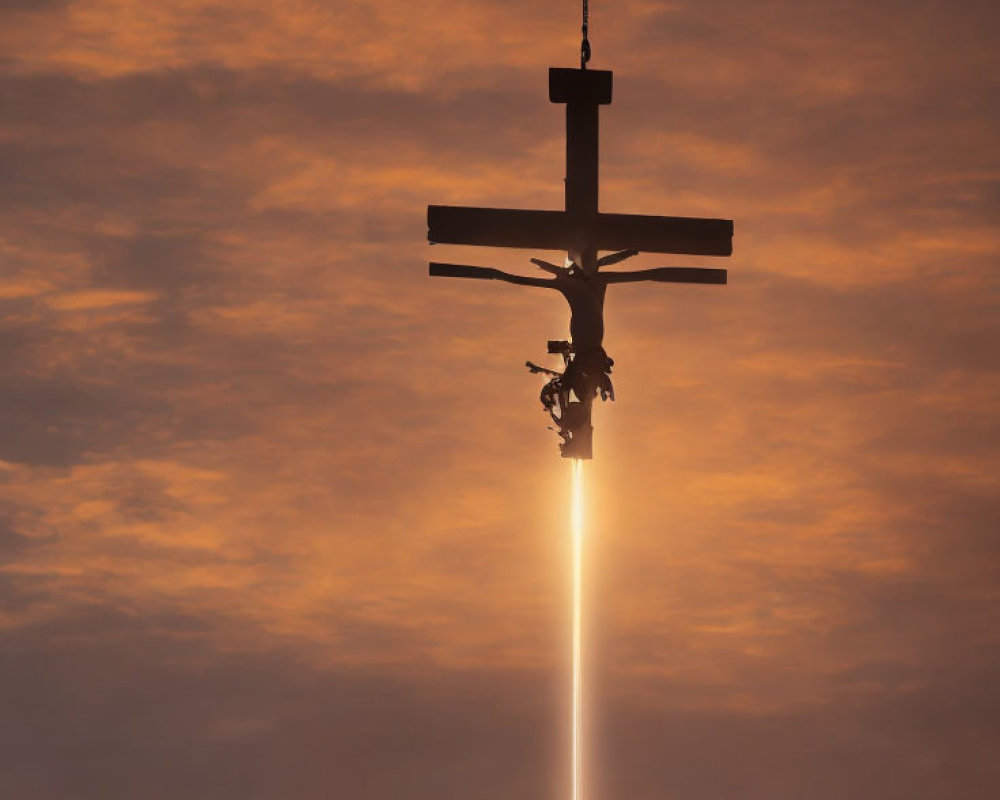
{"x": 280, "y": 518}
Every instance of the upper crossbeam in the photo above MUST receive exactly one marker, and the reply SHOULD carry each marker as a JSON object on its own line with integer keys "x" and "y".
{"x": 558, "y": 230}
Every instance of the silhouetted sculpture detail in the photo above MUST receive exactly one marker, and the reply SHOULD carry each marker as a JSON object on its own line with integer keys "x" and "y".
{"x": 569, "y": 395}
{"x": 582, "y": 231}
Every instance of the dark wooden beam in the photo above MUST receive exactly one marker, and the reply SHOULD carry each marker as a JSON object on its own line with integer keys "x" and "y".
{"x": 439, "y": 270}
{"x": 498, "y": 227}
{"x": 557, "y": 230}
{"x": 681, "y": 235}
{"x": 717, "y": 277}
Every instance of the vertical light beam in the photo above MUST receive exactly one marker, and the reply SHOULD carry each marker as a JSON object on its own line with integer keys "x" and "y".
{"x": 576, "y": 523}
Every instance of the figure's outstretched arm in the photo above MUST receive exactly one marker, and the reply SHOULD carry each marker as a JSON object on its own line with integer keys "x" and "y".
{"x": 550, "y": 268}
{"x": 669, "y": 275}
{"x": 614, "y": 258}
{"x": 484, "y": 273}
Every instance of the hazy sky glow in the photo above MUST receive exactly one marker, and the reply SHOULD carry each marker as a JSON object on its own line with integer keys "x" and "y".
{"x": 279, "y": 515}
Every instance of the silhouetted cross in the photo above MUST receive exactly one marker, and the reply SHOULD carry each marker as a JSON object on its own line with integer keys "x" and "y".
{"x": 581, "y": 230}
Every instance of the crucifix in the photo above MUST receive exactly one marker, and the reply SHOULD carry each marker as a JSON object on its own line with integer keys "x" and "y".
{"x": 582, "y": 231}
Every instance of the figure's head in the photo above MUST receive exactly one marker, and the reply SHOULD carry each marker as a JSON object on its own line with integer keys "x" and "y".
{"x": 583, "y": 260}
{"x": 571, "y": 263}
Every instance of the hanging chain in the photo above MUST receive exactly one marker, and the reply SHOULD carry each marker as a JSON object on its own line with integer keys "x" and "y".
{"x": 585, "y": 44}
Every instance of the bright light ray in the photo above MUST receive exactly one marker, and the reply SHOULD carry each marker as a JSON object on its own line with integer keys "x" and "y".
{"x": 576, "y": 522}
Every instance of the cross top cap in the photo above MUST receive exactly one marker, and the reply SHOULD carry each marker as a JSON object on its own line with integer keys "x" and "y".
{"x": 590, "y": 86}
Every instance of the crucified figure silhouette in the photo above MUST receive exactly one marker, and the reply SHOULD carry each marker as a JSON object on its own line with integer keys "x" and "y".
{"x": 569, "y": 395}
{"x": 582, "y": 230}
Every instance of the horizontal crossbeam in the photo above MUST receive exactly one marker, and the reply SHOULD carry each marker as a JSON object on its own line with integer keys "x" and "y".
{"x": 439, "y": 270}
{"x": 660, "y": 274}
{"x": 670, "y": 275}
{"x": 557, "y": 230}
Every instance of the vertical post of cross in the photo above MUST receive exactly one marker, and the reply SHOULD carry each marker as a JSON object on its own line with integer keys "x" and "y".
{"x": 582, "y": 91}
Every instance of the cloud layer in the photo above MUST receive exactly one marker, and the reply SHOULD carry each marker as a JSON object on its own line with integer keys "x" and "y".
{"x": 279, "y": 516}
